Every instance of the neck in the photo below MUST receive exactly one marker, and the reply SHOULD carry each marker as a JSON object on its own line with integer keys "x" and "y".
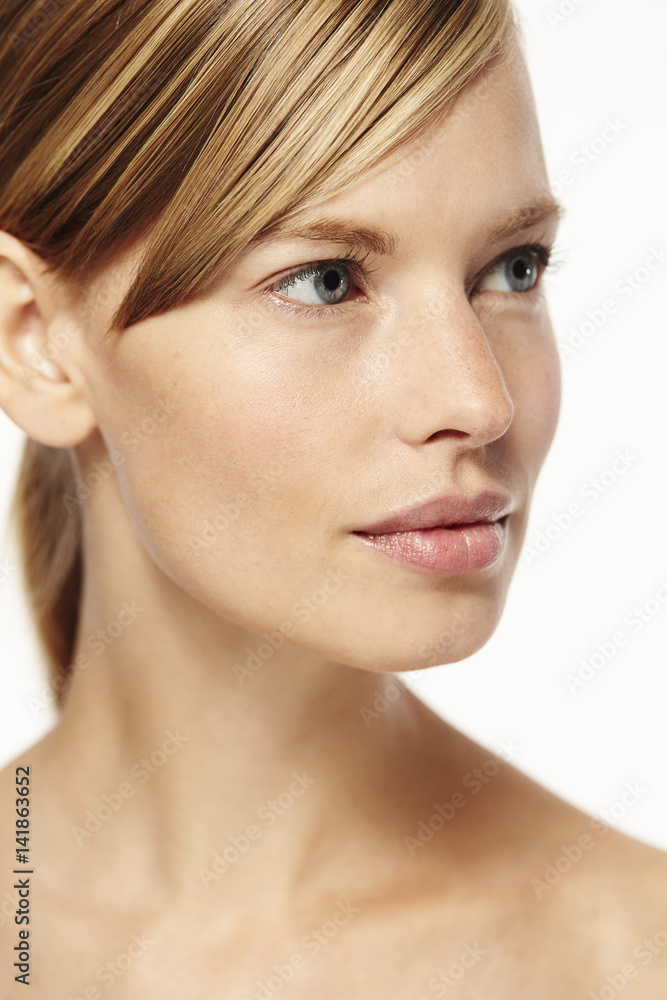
{"x": 199, "y": 772}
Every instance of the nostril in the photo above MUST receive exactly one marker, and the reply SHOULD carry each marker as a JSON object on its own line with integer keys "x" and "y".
{"x": 448, "y": 433}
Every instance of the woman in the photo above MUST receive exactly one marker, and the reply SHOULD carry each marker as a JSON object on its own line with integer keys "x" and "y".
{"x": 272, "y": 320}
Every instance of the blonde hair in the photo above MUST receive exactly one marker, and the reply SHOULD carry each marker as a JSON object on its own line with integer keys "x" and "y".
{"x": 202, "y": 123}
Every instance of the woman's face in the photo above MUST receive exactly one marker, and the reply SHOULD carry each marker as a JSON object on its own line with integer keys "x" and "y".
{"x": 256, "y": 430}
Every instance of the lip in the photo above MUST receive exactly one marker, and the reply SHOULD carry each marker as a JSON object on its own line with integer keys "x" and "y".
{"x": 443, "y": 512}
{"x": 448, "y": 536}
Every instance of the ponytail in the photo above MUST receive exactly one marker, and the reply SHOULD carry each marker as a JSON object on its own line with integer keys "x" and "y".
{"x": 50, "y": 543}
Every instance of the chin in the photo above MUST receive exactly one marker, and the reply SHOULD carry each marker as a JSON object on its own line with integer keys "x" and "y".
{"x": 447, "y": 647}
{"x": 450, "y": 629}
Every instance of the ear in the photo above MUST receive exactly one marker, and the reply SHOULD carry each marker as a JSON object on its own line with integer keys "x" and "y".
{"x": 42, "y": 388}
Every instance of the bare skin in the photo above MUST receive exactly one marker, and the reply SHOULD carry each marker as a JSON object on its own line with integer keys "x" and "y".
{"x": 258, "y": 821}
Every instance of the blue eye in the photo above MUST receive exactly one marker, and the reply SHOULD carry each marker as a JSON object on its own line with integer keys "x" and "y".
{"x": 521, "y": 272}
{"x": 320, "y": 284}
{"x": 517, "y": 271}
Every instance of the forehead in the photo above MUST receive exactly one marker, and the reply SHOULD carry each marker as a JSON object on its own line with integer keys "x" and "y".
{"x": 476, "y": 174}
{"x": 482, "y": 160}
{"x": 491, "y": 132}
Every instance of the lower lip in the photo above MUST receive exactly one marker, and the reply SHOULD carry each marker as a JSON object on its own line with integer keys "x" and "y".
{"x": 463, "y": 548}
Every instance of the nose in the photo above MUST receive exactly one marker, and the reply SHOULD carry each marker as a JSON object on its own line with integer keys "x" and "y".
{"x": 451, "y": 383}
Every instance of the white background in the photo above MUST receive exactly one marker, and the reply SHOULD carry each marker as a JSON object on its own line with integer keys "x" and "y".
{"x": 591, "y": 61}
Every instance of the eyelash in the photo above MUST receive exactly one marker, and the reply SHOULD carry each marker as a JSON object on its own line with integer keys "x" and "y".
{"x": 362, "y": 271}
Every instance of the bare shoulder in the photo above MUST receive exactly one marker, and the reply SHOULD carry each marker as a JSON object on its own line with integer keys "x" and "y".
{"x": 623, "y": 892}
{"x": 604, "y": 894}
{"x": 588, "y": 899}
{"x": 554, "y": 901}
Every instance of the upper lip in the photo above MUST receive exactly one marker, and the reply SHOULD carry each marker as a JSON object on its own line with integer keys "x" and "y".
{"x": 443, "y": 512}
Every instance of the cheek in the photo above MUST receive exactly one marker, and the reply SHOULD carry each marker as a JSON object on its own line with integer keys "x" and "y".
{"x": 541, "y": 391}
{"x": 232, "y": 487}
{"x": 531, "y": 366}
{"x": 239, "y": 487}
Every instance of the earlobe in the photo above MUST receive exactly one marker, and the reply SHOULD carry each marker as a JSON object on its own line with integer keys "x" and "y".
{"x": 41, "y": 387}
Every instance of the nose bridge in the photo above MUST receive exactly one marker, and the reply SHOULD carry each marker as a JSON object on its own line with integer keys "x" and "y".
{"x": 459, "y": 383}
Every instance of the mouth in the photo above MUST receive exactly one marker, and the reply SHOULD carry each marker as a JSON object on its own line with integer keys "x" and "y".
{"x": 447, "y": 536}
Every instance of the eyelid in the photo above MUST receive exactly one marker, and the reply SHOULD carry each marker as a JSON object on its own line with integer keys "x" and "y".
{"x": 355, "y": 262}
{"x": 542, "y": 251}
{"x": 361, "y": 270}
{"x": 352, "y": 259}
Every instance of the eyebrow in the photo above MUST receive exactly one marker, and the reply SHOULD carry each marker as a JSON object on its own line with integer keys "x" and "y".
{"x": 384, "y": 242}
{"x": 331, "y": 231}
{"x": 539, "y": 211}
